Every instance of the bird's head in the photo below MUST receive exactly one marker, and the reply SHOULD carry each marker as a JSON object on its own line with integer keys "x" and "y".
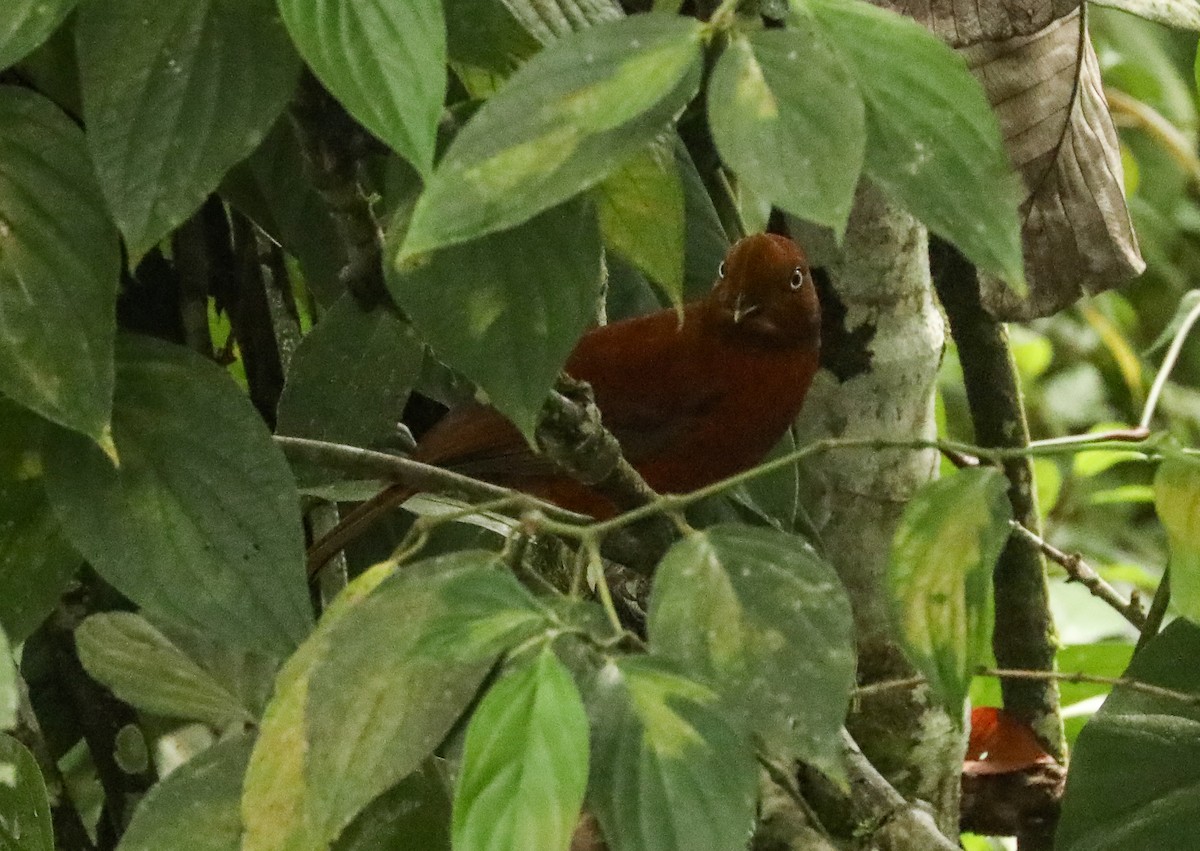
{"x": 764, "y": 291}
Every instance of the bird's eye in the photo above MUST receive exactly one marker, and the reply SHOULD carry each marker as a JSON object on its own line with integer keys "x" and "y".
{"x": 721, "y": 270}
{"x": 797, "y": 279}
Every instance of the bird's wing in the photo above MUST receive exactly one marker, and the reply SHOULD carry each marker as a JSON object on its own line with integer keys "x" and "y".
{"x": 651, "y": 378}
{"x": 650, "y": 382}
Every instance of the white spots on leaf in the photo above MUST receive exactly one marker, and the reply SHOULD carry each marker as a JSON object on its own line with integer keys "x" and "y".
{"x": 921, "y": 157}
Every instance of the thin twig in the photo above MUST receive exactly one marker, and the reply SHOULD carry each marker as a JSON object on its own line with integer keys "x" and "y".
{"x": 355, "y": 461}
{"x": 1168, "y": 364}
{"x": 1060, "y": 676}
{"x": 1080, "y": 677}
{"x": 1083, "y": 573}
{"x": 1120, "y": 435}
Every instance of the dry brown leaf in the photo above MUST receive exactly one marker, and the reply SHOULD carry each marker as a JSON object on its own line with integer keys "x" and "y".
{"x": 1077, "y": 234}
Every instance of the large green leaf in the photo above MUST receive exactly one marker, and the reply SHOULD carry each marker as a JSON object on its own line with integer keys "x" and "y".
{"x": 174, "y": 93}
{"x": 1177, "y": 501}
{"x": 1135, "y": 771}
{"x": 276, "y": 798}
{"x": 27, "y": 23}
{"x": 196, "y": 807}
{"x": 350, "y": 377}
{"x": 385, "y": 62}
{"x": 200, "y": 523}
{"x": 24, "y": 804}
{"x": 641, "y": 209}
{"x": 787, "y": 116}
{"x": 140, "y": 665}
{"x": 381, "y": 700}
{"x": 59, "y": 266}
{"x": 669, "y": 772}
{"x": 940, "y": 577}
{"x": 763, "y": 618}
{"x": 507, "y": 309}
{"x": 525, "y": 762}
{"x": 566, "y": 120}
{"x": 933, "y": 141}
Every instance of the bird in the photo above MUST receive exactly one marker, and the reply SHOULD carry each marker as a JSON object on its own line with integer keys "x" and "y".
{"x": 691, "y": 398}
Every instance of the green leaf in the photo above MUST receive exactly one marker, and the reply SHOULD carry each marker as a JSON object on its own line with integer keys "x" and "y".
{"x": 525, "y": 762}
{"x": 59, "y": 266}
{"x": 196, "y": 806}
{"x": 507, "y": 309}
{"x": 763, "y": 618}
{"x": 940, "y": 577}
{"x": 350, "y": 377}
{"x": 142, "y": 667}
{"x": 174, "y": 93}
{"x": 27, "y": 23}
{"x": 24, "y": 803}
{"x": 276, "y": 806}
{"x": 1104, "y": 659}
{"x": 8, "y": 685}
{"x": 668, "y": 771}
{"x": 777, "y": 494}
{"x": 566, "y": 120}
{"x": 706, "y": 241}
{"x": 378, "y": 702}
{"x": 641, "y": 211}
{"x": 1136, "y": 766}
{"x": 200, "y": 523}
{"x": 414, "y": 815}
{"x": 788, "y": 118}
{"x": 265, "y": 188}
{"x": 385, "y": 62}
{"x": 36, "y": 563}
{"x": 481, "y": 608}
{"x": 933, "y": 141}
{"x": 1177, "y": 501}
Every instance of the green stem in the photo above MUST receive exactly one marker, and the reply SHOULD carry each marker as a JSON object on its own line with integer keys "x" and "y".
{"x": 1169, "y": 360}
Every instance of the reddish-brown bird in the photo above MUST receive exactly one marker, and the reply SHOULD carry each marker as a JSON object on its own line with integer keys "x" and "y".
{"x": 689, "y": 403}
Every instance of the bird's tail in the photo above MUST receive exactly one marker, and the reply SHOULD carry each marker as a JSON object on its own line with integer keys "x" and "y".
{"x": 354, "y": 524}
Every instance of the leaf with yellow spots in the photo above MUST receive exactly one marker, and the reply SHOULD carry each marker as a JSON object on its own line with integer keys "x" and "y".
{"x": 761, "y": 617}
{"x": 940, "y": 576}
{"x": 789, "y": 119}
{"x": 668, "y": 770}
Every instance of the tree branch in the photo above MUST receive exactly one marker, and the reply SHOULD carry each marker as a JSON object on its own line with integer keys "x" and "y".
{"x": 1023, "y": 636}
{"x": 1083, "y": 573}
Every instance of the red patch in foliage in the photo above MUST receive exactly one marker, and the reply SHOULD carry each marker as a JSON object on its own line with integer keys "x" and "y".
{"x": 1000, "y": 744}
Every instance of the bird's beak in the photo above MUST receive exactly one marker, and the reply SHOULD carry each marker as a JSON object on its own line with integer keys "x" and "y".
{"x": 741, "y": 311}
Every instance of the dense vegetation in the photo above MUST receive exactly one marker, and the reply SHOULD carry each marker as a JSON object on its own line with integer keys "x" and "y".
{"x": 241, "y": 241}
